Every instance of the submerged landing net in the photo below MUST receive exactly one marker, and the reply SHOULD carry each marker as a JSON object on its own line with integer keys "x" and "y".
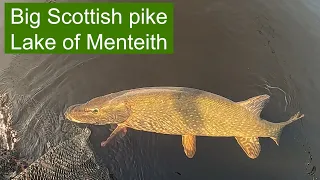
{"x": 71, "y": 159}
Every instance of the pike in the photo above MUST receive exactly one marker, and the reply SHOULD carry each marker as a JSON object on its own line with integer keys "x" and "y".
{"x": 187, "y": 112}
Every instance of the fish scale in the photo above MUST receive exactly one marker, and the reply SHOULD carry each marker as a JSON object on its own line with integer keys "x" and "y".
{"x": 198, "y": 121}
{"x": 182, "y": 111}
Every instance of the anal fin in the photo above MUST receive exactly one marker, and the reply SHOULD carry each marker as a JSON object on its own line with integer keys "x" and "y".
{"x": 120, "y": 130}
{"x": 250, "y": 145}
{"x": 189, "y": 145}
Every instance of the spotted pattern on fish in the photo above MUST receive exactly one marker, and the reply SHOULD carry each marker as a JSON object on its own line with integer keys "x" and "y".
{"x": 183, "y": 111}
{"x": 250, "y": 146}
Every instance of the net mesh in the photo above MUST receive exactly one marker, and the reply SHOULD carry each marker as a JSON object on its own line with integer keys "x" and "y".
{"x": 71, "y": 159}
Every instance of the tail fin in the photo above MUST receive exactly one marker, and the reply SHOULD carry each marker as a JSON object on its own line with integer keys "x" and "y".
{"x": 292, "y": 119}
{"x": 277, "y": 134}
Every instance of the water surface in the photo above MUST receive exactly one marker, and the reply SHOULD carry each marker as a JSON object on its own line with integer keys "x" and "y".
{"x": 234, "y": 49}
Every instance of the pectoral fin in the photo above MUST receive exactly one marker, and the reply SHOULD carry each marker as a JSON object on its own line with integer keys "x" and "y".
{"x": 189, "y": 145}
{"x": 120, "y": 130}
{"x": 250, "y": 146}
{"x": 113, "y": 127}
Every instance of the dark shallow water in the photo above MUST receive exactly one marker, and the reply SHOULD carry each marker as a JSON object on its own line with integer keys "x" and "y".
{"x": 234, "y": 49}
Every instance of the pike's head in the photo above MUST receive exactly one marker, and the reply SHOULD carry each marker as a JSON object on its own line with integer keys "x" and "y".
{"x": 99, "y": 111}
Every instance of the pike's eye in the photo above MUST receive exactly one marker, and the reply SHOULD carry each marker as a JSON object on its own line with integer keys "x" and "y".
{"x": 95, "y": 110}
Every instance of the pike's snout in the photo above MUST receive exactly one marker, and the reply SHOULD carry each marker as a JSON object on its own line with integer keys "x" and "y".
{"x": 69, "y": 111}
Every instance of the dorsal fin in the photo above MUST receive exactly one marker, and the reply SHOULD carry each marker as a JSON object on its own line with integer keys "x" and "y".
{"x": 255, "y": 104}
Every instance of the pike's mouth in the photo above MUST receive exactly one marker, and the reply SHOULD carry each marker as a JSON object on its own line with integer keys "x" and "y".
{"x": 68, "y": 112}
